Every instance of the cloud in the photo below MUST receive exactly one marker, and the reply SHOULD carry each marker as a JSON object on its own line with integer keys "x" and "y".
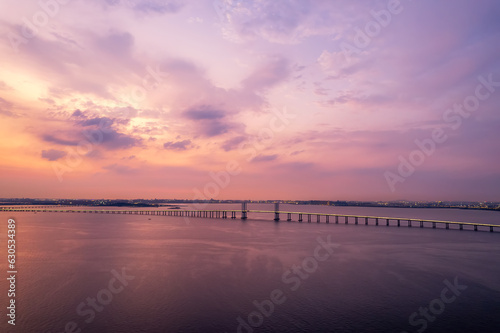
{"x": 53, "y": 154}
{"x": 209, "y": 121}
{"x": 203, "y": 112}
{"x": 63, "y": 142}
{"x": 274, "y": 71}
{"x": 277, "y": 21}
{"x": 118, "y": 44}
{"x": 6, "y": 107}
{"x": 4, "y": 86}
{"x": 177, "y": 145}
{"x": 77, "y": 113}
{"x": 148, "y": 6}
{"x": 121, "y": 169}
{"x": 100, "y": 131}
{"x": 349, "y": 97}
{"x": 233, "y": 143}
{"x": 159, "y": 6}
{"x": 92, "y": 62}
{"x": 265, "y": 158}
{"x": 113, "y": 139}
{"x": 98, "y": 121}
{"x": 49, "y": 101}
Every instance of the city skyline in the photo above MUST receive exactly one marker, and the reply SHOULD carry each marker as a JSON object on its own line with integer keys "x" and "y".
{"x": 299, "y": 100}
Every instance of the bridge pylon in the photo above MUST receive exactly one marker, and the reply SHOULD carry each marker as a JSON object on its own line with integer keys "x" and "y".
{"x": 276, "y": 211}
{"x": 244, "y": 210}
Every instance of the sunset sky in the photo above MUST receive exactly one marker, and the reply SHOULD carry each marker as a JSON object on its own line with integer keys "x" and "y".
{"x": 235, "y": 99}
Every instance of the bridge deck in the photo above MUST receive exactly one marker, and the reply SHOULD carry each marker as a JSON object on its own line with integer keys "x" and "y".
{"x": 223, "y": 213}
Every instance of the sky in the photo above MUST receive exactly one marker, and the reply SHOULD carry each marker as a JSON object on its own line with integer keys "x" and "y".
{"x": 235, "y": 99}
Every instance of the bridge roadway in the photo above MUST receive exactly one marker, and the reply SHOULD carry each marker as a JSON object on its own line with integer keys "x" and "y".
{"x": 223, "y": 213}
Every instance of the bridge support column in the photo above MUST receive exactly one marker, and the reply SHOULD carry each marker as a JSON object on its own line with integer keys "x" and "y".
{"x": 309, "y": 218}
{"x": 346, "y": 219}
{"x": 376, "y": 221}
{"x": 244, "y": 210}
{"x": 300, "y": 217}
{"x": 491, "y": 229}
{"x": 356, "y": 220}
{"x": 421, "y": 224}
{"x": 447, "y": 226}
{"x": 327, "y": 219}
{"x": 461, "y": 226}
{"x": 318, "y": 218}
{"x": 336, "y": 219}
{"x": 289, "y": 217}
{"x": 409, "y": 223}
{"x": 475, "y": 227}
{"x": 276, "y": 211}
{"x": 366, "y": 221}
{"x": 433, "y": 225}
{"x": 387, "y": 222}
{"x": 399, "y": 223}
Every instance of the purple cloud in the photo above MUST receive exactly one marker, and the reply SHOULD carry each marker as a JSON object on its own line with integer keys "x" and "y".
{"x": 63, "y": 142}
{"x": 265, "y": 158}
{"x": 269, "y": 74}
{"x": 209, "y": 121}
{"x": 177, "y": 145}
{"x": 99, "y": 131}
{"x": 233, "y": 143}
{"x": 159, "y": 6}
{"x": 121, "y": 169}
{"x": 53, "y": 154}
{"x": 149, "y": 6}
{"x": 204, "y": 112}
{"x": 5, "y": 107}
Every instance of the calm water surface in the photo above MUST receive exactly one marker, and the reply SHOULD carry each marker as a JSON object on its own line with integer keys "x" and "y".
{"x": 205, "y": 275}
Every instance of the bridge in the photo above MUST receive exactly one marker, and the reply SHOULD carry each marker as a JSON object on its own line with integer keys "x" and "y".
{"x": 243, "y": 213}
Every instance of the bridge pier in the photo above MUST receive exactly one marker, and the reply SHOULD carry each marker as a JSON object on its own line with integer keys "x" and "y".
{"x": 276, "y": 211}
{"x": 366, "y": 221}
{"x": 447, "y": 226}
{"x": 399, "y": 223}
{"x": 300, "y": 217}
{"x": 308, "y": 218}
{"x": 346, "y": 219}
{"x": 491, "y": 229}
{"x": 409, "y": 223}
{"x": 318, "y": 218}
{"x": 387, "y": 224}
{"x": 434, "y": 225}
{"x": 421, "y": 224}
{"x": 244, "y": 210}
{"x": 356, "y": 220}
{"x": 336, "y": 219}
{"x": 289, "y": 217}
{"x": 475, "y": 227}
{"x": 376, "y": 221}
{"x": 327, "y": 218}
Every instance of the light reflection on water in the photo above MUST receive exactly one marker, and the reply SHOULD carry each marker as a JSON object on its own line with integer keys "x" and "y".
{"x": 202, "y": 275}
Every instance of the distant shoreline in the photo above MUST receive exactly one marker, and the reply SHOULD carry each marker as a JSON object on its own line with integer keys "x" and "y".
{"x": 177, "y": 205}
